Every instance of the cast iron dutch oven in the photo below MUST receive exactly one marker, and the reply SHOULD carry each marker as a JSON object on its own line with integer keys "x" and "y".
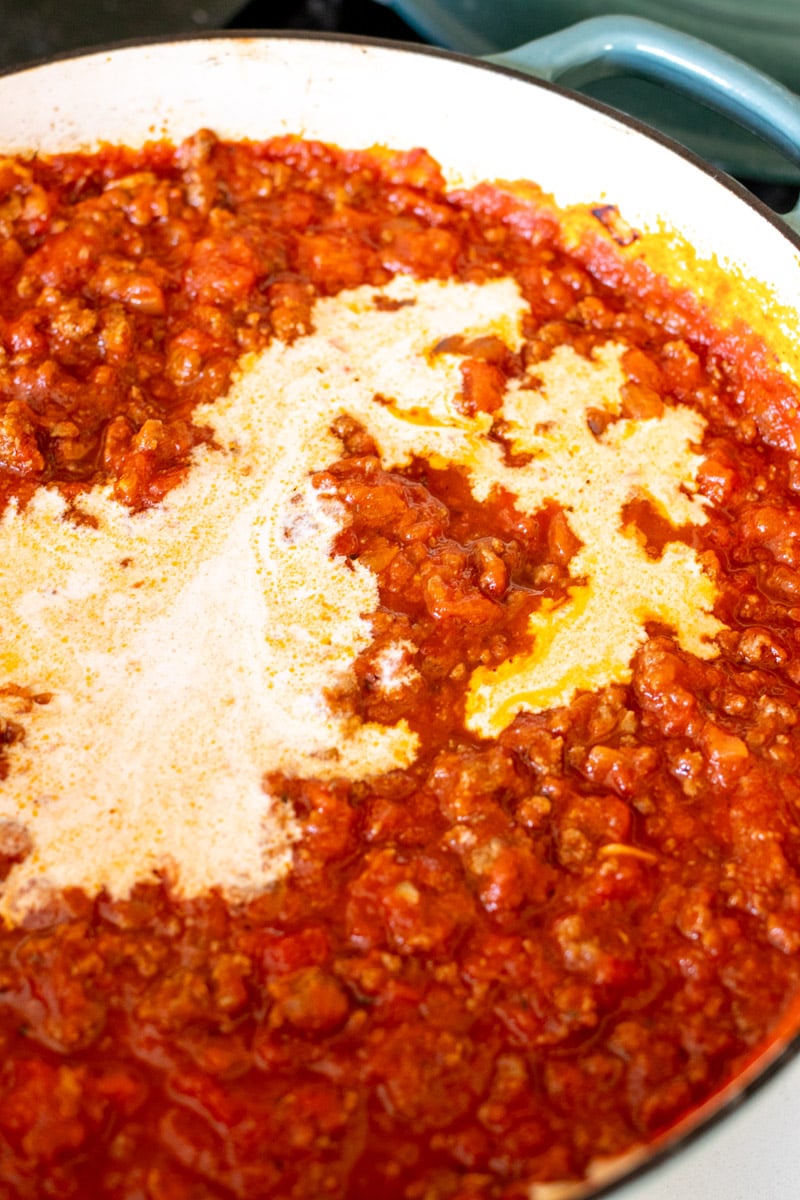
{"x": 482, "y": 121}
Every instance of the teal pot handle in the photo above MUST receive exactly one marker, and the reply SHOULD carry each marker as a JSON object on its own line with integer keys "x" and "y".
{"x": 605, "y": 46}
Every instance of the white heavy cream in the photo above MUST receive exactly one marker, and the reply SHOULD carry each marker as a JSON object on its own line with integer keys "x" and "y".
{"x": 190, "y": 649}
{"x": 589, "y": 640}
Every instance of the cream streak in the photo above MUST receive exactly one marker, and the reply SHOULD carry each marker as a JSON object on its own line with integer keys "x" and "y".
{"x": 189, "y": 649}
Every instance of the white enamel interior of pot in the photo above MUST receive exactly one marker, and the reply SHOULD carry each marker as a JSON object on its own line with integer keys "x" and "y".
{"x": 480, "y": 124}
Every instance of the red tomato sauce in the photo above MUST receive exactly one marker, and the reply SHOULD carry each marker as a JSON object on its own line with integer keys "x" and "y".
{"x": 516, "y": 956}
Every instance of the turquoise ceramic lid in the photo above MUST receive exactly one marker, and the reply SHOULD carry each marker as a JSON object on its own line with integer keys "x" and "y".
{"x": 765, "y": 34}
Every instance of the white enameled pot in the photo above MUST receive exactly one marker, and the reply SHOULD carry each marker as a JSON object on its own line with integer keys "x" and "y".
{"x": 482, "y": 122}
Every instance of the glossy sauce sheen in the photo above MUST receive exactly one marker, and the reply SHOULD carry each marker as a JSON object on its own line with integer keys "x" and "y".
{"x": 540, "y": 943}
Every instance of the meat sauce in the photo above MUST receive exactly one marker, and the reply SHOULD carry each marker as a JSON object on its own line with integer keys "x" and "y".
{"x": 519, "y": 955}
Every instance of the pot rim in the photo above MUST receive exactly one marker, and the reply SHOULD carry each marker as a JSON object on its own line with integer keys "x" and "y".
{"x": 290, "y": 35}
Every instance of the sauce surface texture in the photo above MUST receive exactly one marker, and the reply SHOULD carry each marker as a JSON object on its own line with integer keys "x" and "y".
{"x": 399, "y": 764}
